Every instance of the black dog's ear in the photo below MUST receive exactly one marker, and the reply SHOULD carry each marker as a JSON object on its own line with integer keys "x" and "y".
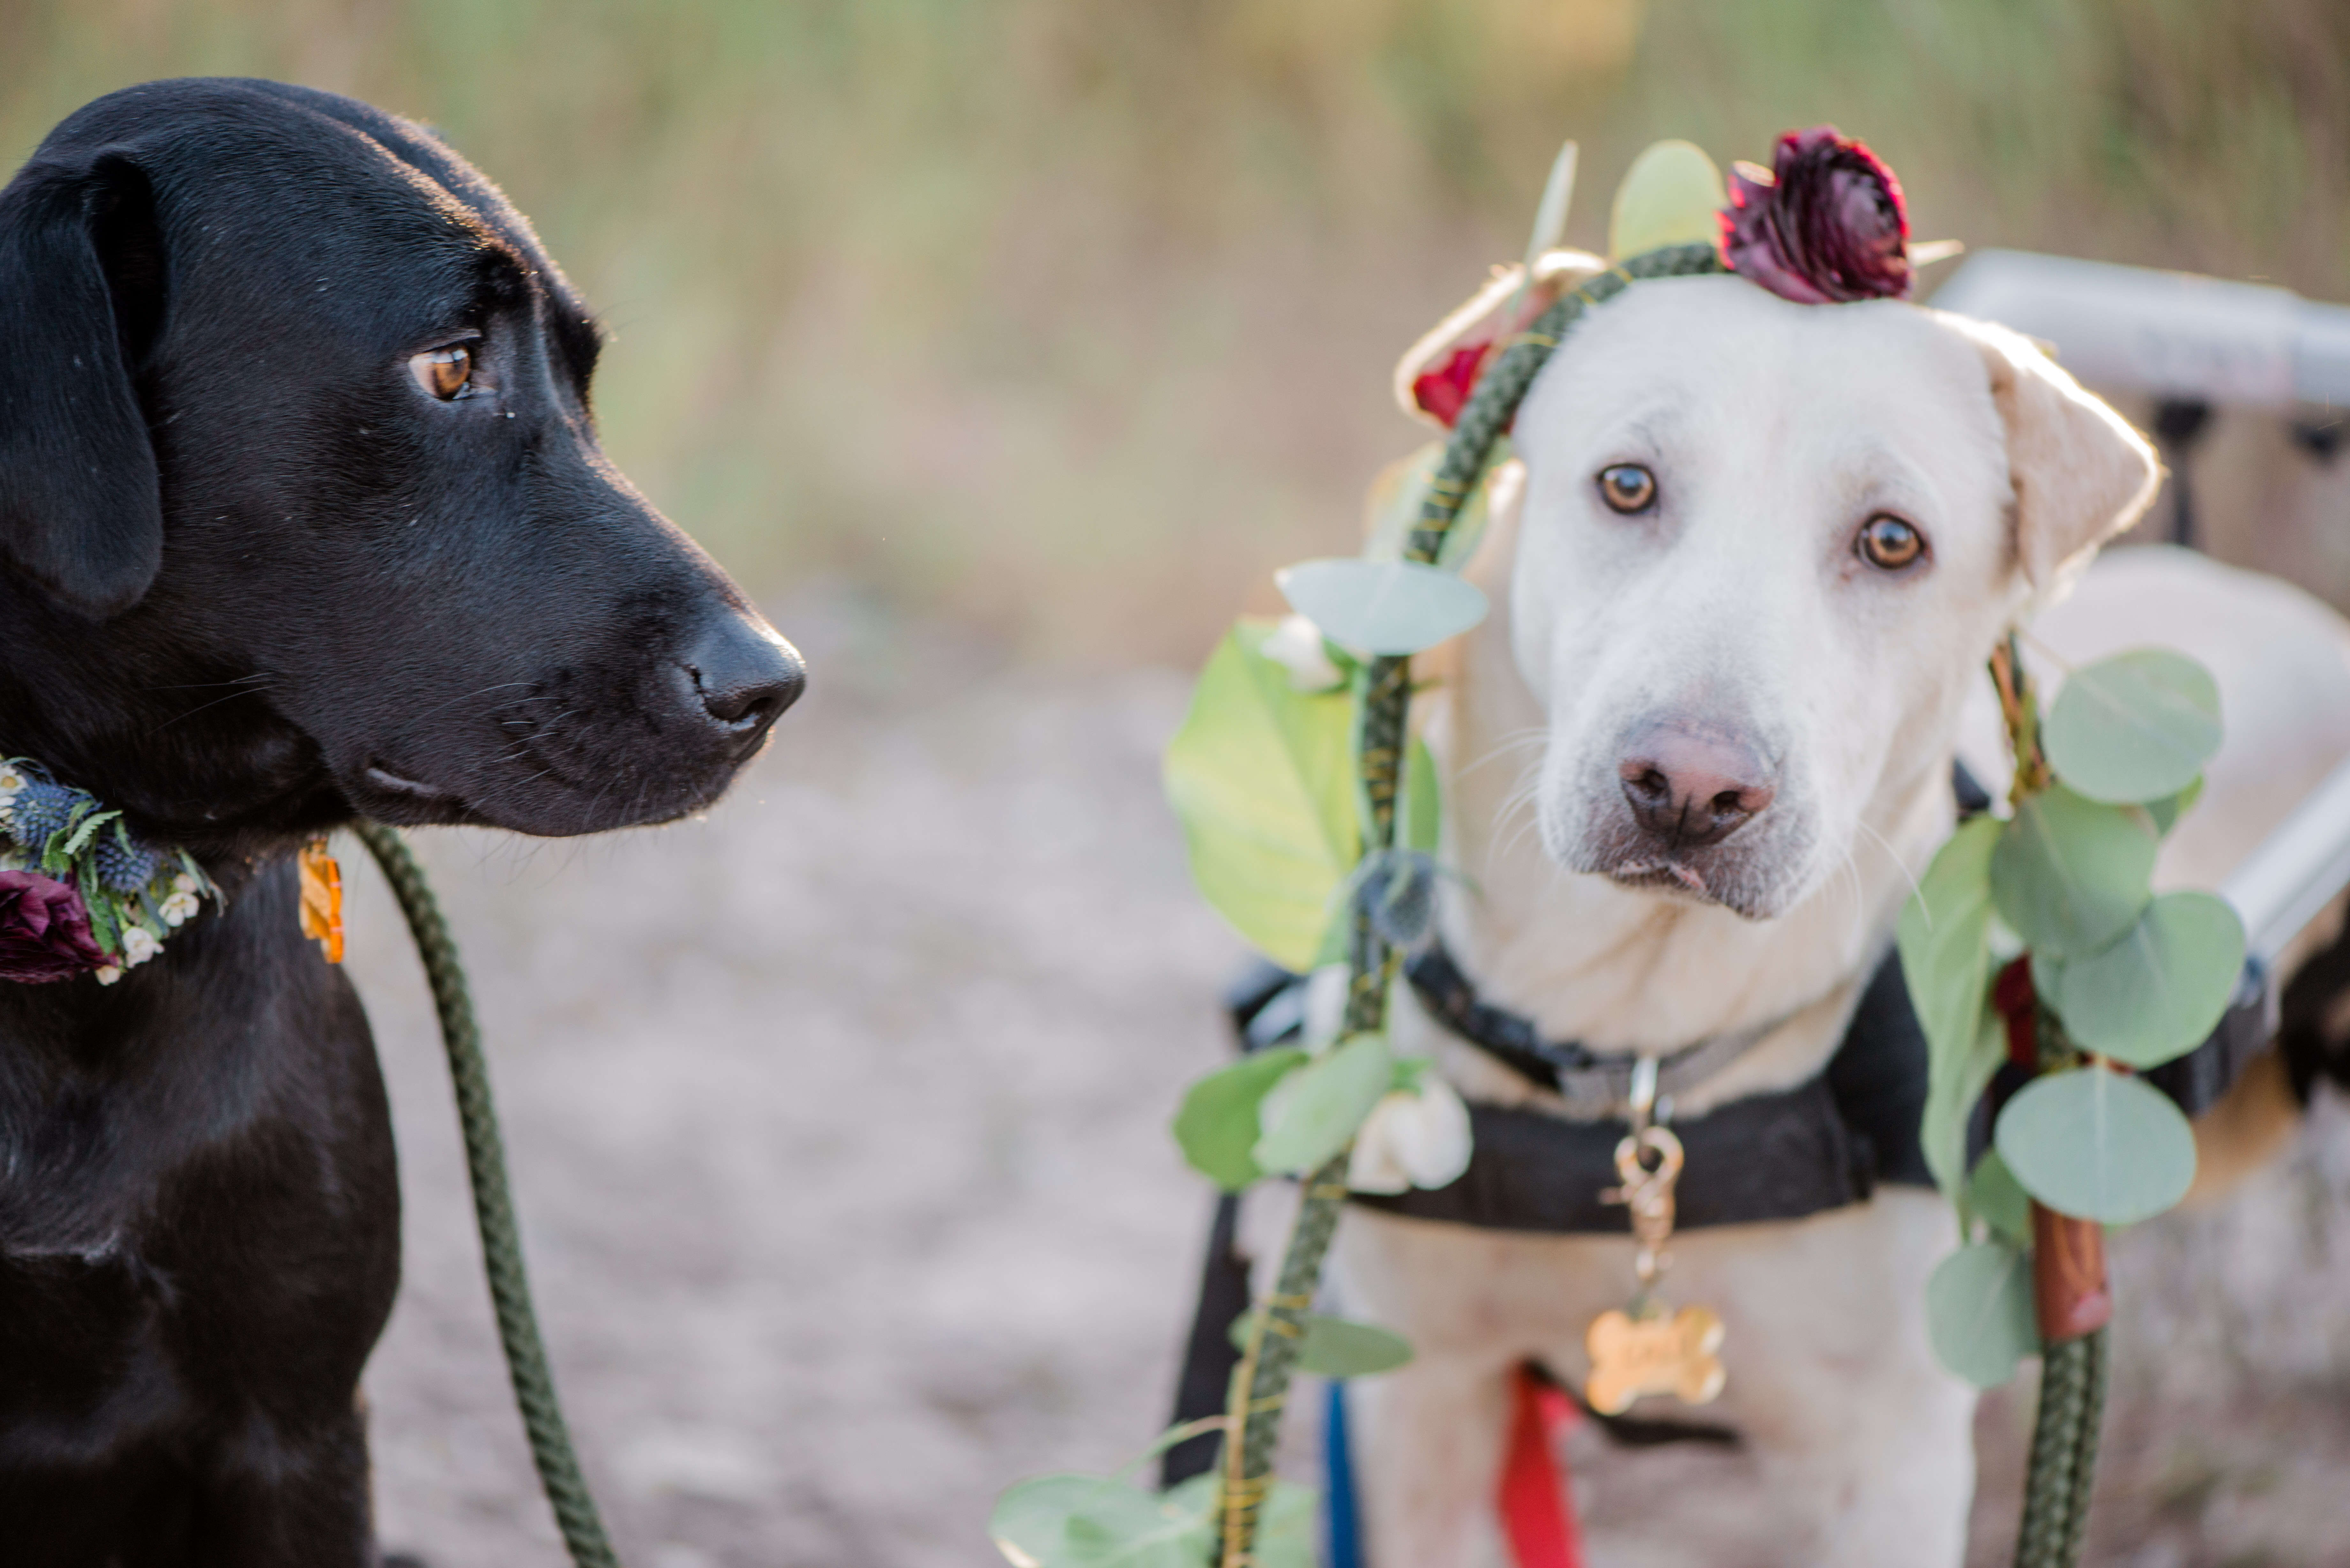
{"x": 81, "y": 294}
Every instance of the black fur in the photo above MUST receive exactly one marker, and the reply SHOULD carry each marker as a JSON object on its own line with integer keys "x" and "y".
{"x": 254, "y": 581}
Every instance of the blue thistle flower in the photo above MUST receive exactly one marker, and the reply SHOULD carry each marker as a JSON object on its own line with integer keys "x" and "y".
{"x": 40, "y": 810}
{"x": 125, "y": 865}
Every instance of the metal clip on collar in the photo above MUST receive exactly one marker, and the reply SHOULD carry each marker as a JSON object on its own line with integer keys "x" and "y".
{"x": 1647, "y": 1162}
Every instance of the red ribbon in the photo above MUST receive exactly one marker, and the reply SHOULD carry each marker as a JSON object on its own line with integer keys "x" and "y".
{"x": 1536, "y": 1502}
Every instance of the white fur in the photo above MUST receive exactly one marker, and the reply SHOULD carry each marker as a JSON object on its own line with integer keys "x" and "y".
{"x": 1775, "y": 431}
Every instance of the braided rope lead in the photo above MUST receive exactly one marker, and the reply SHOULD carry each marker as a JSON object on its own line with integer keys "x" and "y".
{"x": 493, "y": 1212}
{"x": 1268, "y": 1358}
{"x": 2064, "y": 1464}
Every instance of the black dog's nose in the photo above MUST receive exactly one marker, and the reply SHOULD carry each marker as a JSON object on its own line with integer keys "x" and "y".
{"x": 1694, "y": 788}
{"x": 743, "y": 674}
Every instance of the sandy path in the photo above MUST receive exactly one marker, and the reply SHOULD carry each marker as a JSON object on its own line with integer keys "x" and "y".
{"x": 838, "y": 1122}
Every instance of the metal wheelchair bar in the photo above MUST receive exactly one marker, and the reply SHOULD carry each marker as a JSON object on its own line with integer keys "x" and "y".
{"x": 2297, "y": 869}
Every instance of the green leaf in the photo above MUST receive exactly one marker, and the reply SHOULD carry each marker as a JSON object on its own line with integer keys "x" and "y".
{"x": 1217, "y": 1126}
{"x": 2161, "y": 990}
{"x": 1978, "y": 1313}
{"x": 2069, "y": 874}
{"x": 2096, "y": 1145}
{"x": 1263, "y": 778}
{"x": 1953, "y": 1085}
{"x": 1943, "y": 939}
{"x": 1382, "y": 607}
{"x": 86, "y": 830}
{"x": 1092, "y": 1522}
{"x": 1423, "y": 801}
{"x": 1317, "y": 1109}
{"x": 1996, "y": 1197}
{"x": 1670, "y": 196}
{"x": 2136, "y": 727}
{"x": 1549, "y": 218}
{"x": 1337, "y": 1346}
{"x": 2167, "y": 811}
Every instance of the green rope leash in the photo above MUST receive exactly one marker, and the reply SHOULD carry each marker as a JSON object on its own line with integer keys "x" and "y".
{"x": 534, "y": 1382}
{"x": 2063, "y": 1465}
{"x": 1268, "y": 1358}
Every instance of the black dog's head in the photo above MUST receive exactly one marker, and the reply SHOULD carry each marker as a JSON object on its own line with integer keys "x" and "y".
{"x": 302, "y": 512}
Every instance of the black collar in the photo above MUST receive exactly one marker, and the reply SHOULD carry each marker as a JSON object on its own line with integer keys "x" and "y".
{"x": 1586, "y": 1079}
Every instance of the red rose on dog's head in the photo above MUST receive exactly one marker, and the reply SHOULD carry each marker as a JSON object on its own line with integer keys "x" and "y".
{"x": 1827, "y": 224}
{"x": 43, "y": 929}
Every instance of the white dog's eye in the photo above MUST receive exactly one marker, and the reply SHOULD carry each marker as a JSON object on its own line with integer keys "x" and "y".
{"x": 444, "y": 372}
{"x": 1889, "y": 543}
{"x": 1628, "y": 487}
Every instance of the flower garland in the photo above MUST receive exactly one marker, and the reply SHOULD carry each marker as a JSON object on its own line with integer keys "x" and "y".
{"x": 80, "y": 892}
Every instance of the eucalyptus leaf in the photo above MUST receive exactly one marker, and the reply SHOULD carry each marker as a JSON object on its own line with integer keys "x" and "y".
{"x": 1671, "y": 196}
{"x": 1979, "y": 1314}
{"x": 1382, "y": 607}
{"x": 1262, "y": 777}
{"x": 2167, "y": 811}
{"x": 2136, "y": 727}
{"x": 2096, "y": 1145}
{"x": 1317, "y": 1109}
{"x": 1218, "y": 1126}
{"x": 2070, "y": 874}
{"x": 2047, "y": 975}
{"x": 1943, "y": 940}
{"x": 1337, "y": 1346}
{"x": 1423, "y": 801}
{"x": 1092, "y": 1522}
{"x": 1998, "y": 1199}
{"x": 2161, "y": 990}
{"x": 1953, "y": 1085}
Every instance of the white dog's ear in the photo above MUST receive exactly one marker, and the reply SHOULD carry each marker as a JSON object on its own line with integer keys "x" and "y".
{"x": 2081, "y": 473}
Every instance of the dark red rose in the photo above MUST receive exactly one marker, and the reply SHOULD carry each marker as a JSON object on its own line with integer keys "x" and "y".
{"x": 1827, "y": 224}
{"x": 44, "y": 930}
{"x": 1444, "y": 391}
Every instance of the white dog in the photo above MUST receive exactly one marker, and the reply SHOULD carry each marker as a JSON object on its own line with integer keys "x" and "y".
{"x": 1693, "y": 762}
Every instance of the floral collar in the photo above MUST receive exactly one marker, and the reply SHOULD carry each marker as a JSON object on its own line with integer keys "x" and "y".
{"x": 80, "y": 892}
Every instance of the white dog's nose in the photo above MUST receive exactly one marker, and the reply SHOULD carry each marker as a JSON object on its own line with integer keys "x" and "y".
{"x": 1692, "y": 787}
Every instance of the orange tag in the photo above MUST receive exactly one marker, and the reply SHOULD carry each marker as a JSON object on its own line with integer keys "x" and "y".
{"x": 322, "y": 899}
{"x": 1653, "y": 1354}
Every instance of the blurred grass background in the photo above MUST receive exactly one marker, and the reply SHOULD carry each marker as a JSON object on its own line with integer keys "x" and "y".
{"x": 1066, "y": 320}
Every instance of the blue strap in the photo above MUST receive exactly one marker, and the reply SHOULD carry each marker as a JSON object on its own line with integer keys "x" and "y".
{"x": 1342, "y": 1530}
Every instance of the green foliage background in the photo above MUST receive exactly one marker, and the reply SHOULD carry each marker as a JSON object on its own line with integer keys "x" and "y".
{"x": 1072, "y": 318}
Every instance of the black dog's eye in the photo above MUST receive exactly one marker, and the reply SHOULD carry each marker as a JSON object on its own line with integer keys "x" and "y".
{"x": 444, "y": 372}
{"x": 1889, "y": 544}
{"x": 1626, "y": 487}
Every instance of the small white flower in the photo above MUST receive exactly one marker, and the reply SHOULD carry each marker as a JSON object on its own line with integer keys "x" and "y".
{"x": 138, "y": 946}
{"x": 1296, "y": 646}
{"x": 183, "y": 883}
{"x": 11, "y": 780}
{"x": 179, "y": 906}
{"x": 108, "y": 973}
{"x": 1412, "y": 1140}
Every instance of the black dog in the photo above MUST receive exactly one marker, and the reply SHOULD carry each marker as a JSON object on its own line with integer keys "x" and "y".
{"x": 301, "y": 516}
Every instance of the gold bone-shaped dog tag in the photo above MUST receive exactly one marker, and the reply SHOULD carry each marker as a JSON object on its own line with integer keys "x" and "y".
{"x": 1653, "y": 1354}
{"x": 322, "y": 899}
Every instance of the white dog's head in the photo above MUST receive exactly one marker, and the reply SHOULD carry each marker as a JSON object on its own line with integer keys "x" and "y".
{"x": 1763, "y": 547}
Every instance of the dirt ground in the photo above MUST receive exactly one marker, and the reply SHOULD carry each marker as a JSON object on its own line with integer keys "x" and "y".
{"x": 837, "y": 1124}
